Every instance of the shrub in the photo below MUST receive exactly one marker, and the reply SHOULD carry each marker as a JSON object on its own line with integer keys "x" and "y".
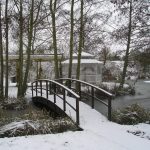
{"x": 30, "y": 127}
{"x": 132, "y": 114}
{"x": 12, "y": 103}
{"x": 129, "y": 90}
{"x": 34, "y": 122}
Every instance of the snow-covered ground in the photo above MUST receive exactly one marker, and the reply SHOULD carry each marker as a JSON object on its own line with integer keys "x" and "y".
{"x": 147, "y": 81}
{"x": 111, "y": 85}
{"x": 98, "y": 134}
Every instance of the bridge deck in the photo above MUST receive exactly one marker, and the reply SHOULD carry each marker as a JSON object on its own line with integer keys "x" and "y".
{"x": 86, "y": 113}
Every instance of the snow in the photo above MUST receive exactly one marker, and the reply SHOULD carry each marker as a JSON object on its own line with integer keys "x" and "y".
{"x": 98, "y": 134}
{"x": 142, "y": 130}
{"x": 45, "y": 57}
{"x": 147, "y": 81}
{"x": 85, "y": 58}
{"x": 84, "y": 54}
{"x": 20, "y": 124}
{"x": 83, "y": 61}
{"x": 111, "y": 85}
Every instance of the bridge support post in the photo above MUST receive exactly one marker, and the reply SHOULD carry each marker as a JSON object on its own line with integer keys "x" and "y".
{"x": 47, "y": 89}
{"x": 80, "y": 94}
{"x": 50, "y": 88}
{"x": 41, "y": 87}
{"x": 36, "y": 87}
{"x": 32, "y": 89}
{"x": 64, "y": 100}
{"x": 77, "y": 111}
{"x": 92, "y": 92}
{"x": 109, "y": 109}
{"x": 54, "y": 93}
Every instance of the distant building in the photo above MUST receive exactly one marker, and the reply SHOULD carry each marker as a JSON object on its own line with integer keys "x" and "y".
{"x": 90, "y": 71}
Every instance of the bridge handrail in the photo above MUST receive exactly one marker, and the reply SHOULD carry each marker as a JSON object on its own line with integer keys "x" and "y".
{"x": 75, "y": 95}
{"x": 89, "y": 84}
{"x": 61, "y": 85}
{"x": 109, "y": 95}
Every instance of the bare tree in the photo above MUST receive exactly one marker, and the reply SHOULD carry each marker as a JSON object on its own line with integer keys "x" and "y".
{"x": 1, "y": 58}
{"x": 6, "y": 32}
{"x": 104, "y": 54}
{"x": 53, "y": 9}
{"x": 134, "y": 11}
{"x": 128, "y": 47}
{"x": 20, "y": 69}
{"x": 71, "y": 39}
{"x": 80, "y": 40}
{"x": 29, "y": 47}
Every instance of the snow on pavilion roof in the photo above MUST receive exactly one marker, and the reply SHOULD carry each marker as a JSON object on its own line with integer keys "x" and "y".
{"x": 83, "y": 61}
{"x": 36, "y": 57}
{"x": 86, "y": 58}
{"x": 84, "y": 55}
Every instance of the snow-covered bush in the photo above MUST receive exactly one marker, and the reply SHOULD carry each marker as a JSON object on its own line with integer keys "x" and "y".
{"x": 32, "y": 127}
{"x": 113, "y": 88}
{"x": 132, "y": 114}
{"x": 34, "y": 122}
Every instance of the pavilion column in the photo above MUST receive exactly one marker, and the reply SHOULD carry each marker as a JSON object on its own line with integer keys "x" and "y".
{"x": 60, "y": 69}
{"x": 40, "y": 71}
{"x": 17, "y": 71}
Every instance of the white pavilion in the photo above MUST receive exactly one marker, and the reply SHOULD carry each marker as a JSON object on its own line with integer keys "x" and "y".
{"x": 90, "y": 71}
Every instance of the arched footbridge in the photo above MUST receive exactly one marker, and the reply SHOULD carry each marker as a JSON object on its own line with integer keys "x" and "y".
{"x": 64, "y": 96}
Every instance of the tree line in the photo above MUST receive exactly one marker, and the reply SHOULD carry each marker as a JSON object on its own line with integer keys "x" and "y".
{"x": 56, "y": 26}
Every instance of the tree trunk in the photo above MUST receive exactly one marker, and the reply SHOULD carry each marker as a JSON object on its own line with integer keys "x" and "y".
{"x": 80, "y": 42}
{"x": 71, "y": 41}
{"x": 20, "y": 69}
{"x": 1, "y": 59}
{"x": 24, "y": 88}
{"x": 128, "y": 48}
{"x": 53, "y": 12}
{"x": 6, "y": 32}
{"x": 35, "y": 27}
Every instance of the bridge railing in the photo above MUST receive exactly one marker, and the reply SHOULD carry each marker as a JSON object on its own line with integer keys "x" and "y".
{"x": 93, "y": 89}
{"x": 54, "y": 88}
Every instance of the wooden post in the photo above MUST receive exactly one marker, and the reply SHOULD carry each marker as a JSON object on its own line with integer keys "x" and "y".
{"x": 80, "y": 94}
{"x": 77, "y": 111}
{"x": 64, "y": 99}
{"x": 32, "y": 89}
{"x": 36, "y": 88}
{"x": 41, "y": 86}
{"x": 47, "y": 89}
{"x": 92, "y": 92}
{"x": 50, "y": 88}
{"x": 109, "y": 109}
{"x": 54, "y": 93}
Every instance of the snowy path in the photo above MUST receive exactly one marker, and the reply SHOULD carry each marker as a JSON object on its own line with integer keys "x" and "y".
{"x": 98, "y": 134}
